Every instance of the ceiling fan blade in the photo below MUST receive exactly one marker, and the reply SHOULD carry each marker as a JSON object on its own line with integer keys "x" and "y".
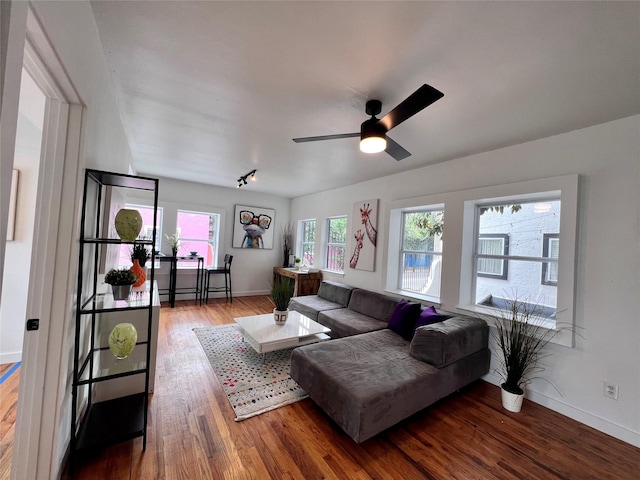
{"x": 326, "y": 137}
{"x": 418, "y": 100}
{"x": 396, "y": 150}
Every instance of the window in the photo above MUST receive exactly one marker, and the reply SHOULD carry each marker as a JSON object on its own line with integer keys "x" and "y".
{"x": 550, "y": 249}
{"x": 146, "y": 233}
{"x": 493, "y": 244}
{"x": 198, "y": 233}
{"x": 336, "y": 243}
{"x": 307, "y": 241}
{"x": 524, "y": 222}
{"x": 421, "y": 252}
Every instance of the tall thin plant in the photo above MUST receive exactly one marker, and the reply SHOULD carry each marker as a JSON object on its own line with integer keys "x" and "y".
{"x": 521, "y": 336}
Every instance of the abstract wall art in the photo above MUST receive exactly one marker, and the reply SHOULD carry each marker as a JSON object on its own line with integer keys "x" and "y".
{"x": 252, "y": 227}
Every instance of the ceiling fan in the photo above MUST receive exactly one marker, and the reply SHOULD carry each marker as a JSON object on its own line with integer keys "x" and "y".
{"x": 373, "y": 132}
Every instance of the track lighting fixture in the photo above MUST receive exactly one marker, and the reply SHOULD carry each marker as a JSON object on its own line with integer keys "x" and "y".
{"x": 243, "y": 179}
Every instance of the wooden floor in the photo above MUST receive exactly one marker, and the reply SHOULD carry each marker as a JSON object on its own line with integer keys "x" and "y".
{"x": 469, "y": 435}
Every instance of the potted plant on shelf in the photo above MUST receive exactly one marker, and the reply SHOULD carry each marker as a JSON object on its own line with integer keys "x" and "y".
{"x": 121, "y": 281}
{"x": 139, "y": 256}
{"x": 520, "y": 336}
{"x": 281, "y": 294}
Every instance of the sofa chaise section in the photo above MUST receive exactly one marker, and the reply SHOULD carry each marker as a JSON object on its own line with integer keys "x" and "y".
{"x": 369, "y": 382}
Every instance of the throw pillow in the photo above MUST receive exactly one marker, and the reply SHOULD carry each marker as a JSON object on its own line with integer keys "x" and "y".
{"x": 427, "y": 317}
{"x": 403, "y": 319}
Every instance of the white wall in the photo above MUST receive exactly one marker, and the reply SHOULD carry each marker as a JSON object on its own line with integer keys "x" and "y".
{"x": 252, "y": 269}
{"x": 607, "y": 158}
{"x": 13, "y": 306}
{"x": 70, "y": 28}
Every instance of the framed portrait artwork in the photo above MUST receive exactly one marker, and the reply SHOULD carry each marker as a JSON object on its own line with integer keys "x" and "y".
{"x": 253, "y": 227}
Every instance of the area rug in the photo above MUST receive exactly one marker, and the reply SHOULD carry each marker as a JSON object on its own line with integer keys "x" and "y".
{"x": 254, "y": 384}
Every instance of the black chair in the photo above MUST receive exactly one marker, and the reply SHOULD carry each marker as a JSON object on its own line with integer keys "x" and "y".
{"x": 226, "y": 271}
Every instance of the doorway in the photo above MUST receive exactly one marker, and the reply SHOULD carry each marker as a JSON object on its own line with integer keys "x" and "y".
{"x": 41, "y": 405}
{"x": 17, "y": 262}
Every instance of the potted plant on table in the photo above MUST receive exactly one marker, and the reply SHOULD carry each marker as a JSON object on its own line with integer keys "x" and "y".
{"x": 281, "y": 294}
{"x": 520, "y": 336}
{"x": 121, "y": 281}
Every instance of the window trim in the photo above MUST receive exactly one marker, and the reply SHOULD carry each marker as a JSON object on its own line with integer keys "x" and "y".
{"x": 566, "y": 189}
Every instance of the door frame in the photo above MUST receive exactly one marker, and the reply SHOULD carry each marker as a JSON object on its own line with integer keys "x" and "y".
{"x": 43, "y": 376}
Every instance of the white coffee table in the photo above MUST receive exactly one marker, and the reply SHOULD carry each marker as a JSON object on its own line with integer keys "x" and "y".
{"x": 262, "y": 333}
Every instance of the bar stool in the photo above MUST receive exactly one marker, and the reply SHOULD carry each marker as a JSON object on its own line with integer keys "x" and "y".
{"x": 226, "y": 271}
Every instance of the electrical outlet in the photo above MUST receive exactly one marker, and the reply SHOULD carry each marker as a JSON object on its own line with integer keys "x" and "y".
{"x": 610, "y": 390}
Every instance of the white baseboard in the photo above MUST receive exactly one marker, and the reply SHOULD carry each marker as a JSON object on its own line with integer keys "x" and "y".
{"x": 600, "y": 424}
{"x": 13, "y": 357}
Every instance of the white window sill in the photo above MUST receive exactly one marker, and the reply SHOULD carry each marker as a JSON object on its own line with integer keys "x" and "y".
{"x": 415, "y": 296}
{"x": 332, "y": 272}
{"x": 561, "y": 336}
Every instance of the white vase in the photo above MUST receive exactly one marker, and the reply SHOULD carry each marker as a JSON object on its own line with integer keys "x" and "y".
{"x": 280, "y": 317}
{"x": 511, "y": 401}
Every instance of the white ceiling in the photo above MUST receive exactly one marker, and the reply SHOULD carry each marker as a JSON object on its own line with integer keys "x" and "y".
{"x": 210, "y": 90}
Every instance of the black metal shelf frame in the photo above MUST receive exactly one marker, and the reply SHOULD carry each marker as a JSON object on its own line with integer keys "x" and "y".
{"x": 97, "y": 424}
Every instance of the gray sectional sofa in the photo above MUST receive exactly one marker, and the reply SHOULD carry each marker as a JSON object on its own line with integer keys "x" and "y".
{"x": 368, "y": 382}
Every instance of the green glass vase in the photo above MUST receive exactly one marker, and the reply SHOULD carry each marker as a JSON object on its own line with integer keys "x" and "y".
{"x": 122, "y": 340}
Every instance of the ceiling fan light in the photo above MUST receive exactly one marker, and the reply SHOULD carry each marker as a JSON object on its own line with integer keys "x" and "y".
{"x": 373, "y": 144}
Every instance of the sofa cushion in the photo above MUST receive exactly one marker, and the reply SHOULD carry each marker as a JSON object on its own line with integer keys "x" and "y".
{"x": 344, "y": 322}
{"x": 372, "y": 304}
{"x": 311, "y": 305}
{"x": 428, "y": 316}
{"x": 335, "y": 292}
{"x": 446, "y": 342}
{"x": 403, "y": 319}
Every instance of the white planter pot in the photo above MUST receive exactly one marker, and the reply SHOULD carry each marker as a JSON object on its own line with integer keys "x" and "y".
{"x": 511, "y": 401}
{"x": 280, "y": 317}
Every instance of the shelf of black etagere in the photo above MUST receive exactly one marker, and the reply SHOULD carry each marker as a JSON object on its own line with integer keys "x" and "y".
{"x": 113, "y": 421}
{"x": 112, "y": 367}
{"x": 115, "y": 241}
{"x": 104, "y": 302}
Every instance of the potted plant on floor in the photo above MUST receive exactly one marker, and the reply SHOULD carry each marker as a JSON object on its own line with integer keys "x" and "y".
{"x": 520, "y": 336}
{"x": 121, "y": 281}
{"x": 281, "y": 294}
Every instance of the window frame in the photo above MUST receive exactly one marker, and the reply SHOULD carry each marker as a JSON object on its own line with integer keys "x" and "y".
{"x": 328, "y": 244}
{"x": 301, "y": 242}
{"x": 403, "y": 252}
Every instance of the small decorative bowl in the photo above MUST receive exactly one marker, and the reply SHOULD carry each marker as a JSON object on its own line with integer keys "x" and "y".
{"x": 193, "y": 254}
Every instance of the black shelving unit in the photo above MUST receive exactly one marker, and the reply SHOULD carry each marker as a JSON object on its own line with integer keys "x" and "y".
{"x": 101, "y": 423}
